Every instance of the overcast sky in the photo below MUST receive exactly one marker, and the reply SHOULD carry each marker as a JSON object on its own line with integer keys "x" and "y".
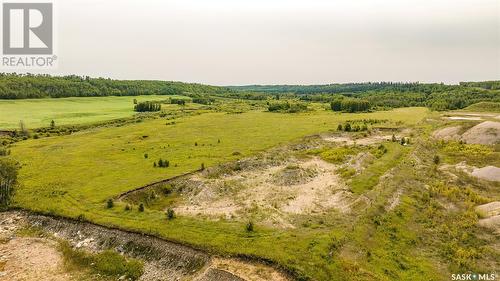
{"x": 235, "y": 42}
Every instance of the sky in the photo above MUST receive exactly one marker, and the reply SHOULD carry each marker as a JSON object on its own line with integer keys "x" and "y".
{"x": 240, "y": 42}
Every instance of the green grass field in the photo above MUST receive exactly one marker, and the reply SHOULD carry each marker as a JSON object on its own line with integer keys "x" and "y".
{"x": 64, "y": 111}
{"x": 74, "y": 175}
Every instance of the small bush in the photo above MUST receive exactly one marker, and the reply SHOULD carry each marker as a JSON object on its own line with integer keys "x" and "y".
{"x": 249, "y": 226}
{"x": 146, "y": 156}
{"x": 170, "y": 214}
{"x": 436, "y": 159}
{"x": 110, "y": 203}
{"x": 167, "y": 189}
{"x": 141, "y": 207}
{"x": 128, "y": 207}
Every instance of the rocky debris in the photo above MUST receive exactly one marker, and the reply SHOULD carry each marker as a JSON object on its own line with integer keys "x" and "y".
{"x": 220, "y": 275}
{"x": 10, "y": 222}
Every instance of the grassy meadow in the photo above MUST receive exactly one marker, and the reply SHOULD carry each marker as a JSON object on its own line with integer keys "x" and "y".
{"x": 104, "y": 162}
{"x": 74, "y": 175}
{"x": 66, "y": 111}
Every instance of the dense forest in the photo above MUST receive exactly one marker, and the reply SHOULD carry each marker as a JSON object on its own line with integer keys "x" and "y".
{"x": 17, "y": 86}
{"x": 437, "y": 96}
{"x": 388, "y": 94}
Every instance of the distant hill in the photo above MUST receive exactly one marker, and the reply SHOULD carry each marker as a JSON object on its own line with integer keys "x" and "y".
{"x": 484, "y": 107}
{"x": 16, "y": 86}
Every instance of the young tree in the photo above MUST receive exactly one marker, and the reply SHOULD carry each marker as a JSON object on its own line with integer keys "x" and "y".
{"x": 52, "y": 124}
{"x": 249, "y": 226}
{"x": 110, "y": 203}
{"x": 436, "y": 159}
{"x": 22, "y": 128}
{"x": 170, "y": 214}
{"x": 8, "y": 180}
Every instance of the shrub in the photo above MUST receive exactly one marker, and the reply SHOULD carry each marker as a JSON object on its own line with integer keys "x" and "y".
{"x": 249, "y": 226}
{"x": 110, "y": 203}
{"x": 436, "y": 159}
{"x": 141, "y": 207}
{"x": 162, "y": 163}
{"x": 287, "y": 107}
{"x": 336, "y": 155}
{"x": 202, "y": 166}
{"x": 128, "y": 207}
{"x": 170, "y": 214}
{"x": 167, "y": 189}
{"x": 339, "y": 127}
{"x": 4, "y": 151}
{"x": 146, "y": 155}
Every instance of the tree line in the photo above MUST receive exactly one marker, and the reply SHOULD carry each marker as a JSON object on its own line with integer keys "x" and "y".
{"x": 26, "y": 86}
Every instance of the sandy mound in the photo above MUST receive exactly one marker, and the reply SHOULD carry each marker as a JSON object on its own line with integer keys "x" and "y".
{"x": 491, "y": 223}
{"x": 490, "y": 209}
{"x": 448, "y": 133}
{"x": 490, "y": 173}
{"x": 487, "y": 132}
{"x": 312, "y": 187}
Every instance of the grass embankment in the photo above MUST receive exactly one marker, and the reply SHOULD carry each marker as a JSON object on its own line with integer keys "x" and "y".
{"x": 483, "y": 107}
{"x": 74, "y": 175}
{"x": 370, "y": 176}
{"x": 107, "y": 263}
{"x": 66, "y": 111}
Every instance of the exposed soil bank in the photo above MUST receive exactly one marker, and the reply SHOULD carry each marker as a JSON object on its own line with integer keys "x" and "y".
{"x": 26, "y": 258}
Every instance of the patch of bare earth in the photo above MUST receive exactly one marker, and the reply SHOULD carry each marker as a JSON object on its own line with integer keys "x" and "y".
{"x": 344, "y": 140}
{"x": 448, "y": 133}
{"x": 31, "y": 259}
{"x": 295, "y": 187}
{"x": 26, "y": 258}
